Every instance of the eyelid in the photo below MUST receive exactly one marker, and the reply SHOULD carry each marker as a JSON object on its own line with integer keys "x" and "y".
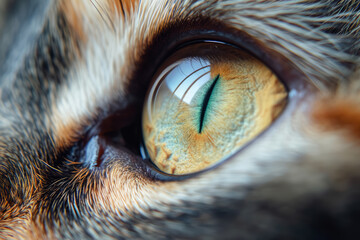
{"x": 179, "y": 35}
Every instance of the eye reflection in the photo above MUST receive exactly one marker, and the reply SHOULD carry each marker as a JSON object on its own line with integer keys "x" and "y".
{"x": 194, "y": 72}
{"x": 183, "y": 80}
{"x": 206, "y": 102}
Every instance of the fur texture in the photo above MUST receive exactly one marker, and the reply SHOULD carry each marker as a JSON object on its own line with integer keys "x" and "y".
{"x": 71, "y": 64}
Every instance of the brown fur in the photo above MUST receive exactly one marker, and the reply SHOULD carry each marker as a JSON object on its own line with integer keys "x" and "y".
{"x": 71, "y": 10}
{"x": 338, "y": 115}
{"x": 121, "y": 7}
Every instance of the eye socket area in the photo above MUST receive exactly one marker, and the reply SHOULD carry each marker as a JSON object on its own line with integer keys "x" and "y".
{"x": 207, "y": 101}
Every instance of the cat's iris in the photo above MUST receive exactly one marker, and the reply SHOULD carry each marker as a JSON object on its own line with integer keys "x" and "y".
{"x": 207, "y": 101}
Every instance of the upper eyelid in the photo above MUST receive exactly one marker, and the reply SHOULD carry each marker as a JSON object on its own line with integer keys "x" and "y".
{"x": 323, "y": 67}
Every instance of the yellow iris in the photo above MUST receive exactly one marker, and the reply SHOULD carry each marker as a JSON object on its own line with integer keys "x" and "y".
{"x": 206, "y": 102}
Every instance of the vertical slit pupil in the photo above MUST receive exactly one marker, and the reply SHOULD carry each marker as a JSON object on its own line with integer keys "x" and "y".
{"x": 206, "y": 102}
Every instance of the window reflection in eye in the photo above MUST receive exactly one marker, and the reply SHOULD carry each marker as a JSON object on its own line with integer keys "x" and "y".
{"x": 197, "y": 73}
{"x": 207, "y": 101}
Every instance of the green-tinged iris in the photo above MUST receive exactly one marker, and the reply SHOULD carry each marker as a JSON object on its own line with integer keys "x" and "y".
{"x": 205, "y": 103}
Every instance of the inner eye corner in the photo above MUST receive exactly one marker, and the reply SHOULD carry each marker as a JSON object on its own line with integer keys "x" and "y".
{"x": 207, "y": 101}
{"x": 118, "y": 128}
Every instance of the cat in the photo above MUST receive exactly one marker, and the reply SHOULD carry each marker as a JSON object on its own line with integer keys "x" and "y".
{"x": 73, "y": 72}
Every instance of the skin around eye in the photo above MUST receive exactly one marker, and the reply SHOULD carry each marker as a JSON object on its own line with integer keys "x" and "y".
{"x": 207, "y": 101}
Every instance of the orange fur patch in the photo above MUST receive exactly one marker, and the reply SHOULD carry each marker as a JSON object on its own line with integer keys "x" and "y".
{"x": 338, "y": 115}
{"x": 66, "y": 135}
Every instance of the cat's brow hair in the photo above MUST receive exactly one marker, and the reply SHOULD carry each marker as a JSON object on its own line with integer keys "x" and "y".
{"x": 82, "y": 64}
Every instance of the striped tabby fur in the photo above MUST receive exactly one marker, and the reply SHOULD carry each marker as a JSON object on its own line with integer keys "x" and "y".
{"x": 65, "y": 65}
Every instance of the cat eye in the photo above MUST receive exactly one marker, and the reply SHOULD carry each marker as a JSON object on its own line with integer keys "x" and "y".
{"x": 206, "y": 102}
